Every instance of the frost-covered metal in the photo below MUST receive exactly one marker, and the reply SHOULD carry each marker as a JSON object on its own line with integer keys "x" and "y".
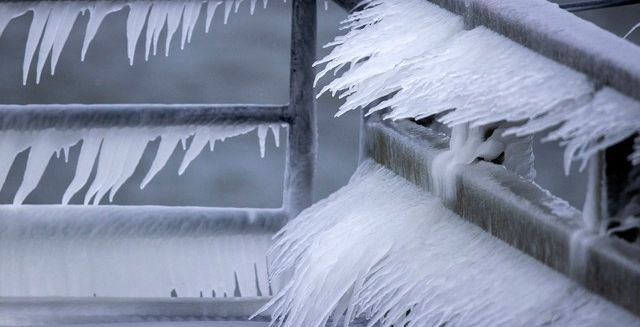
{"x": 251, "y": 226}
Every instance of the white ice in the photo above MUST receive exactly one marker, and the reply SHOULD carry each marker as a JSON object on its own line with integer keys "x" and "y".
{"x": 420, "y": 57}
{"x": 384, "y": 250}
{"x": 53, "y": 21}
{"x": 114, "y": 153}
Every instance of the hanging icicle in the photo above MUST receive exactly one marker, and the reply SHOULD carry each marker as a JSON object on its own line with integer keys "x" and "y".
{"x": 115, "y": 154}
{"x": 53, "y": 20}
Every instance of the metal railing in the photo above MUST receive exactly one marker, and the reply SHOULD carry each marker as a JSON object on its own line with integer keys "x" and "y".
{"x": 298, "y": 115}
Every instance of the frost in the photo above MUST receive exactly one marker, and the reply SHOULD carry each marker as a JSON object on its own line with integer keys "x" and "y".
{"x": 421, "y": 59}
{"x": 132, "y": 266}
{"x": 115, "y": 154}
{"x": 384, "y": 250}
{"x": 53, "y": 20}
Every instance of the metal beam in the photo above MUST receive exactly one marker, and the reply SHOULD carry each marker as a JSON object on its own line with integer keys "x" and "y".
{"x": 516, "y": 211}
{"x": 596, "y": 4}
{"x": 41, "y": 221}
{"x": 298, "y": 180}
{"x": 66, "y": 311}
{"x": 68, "y": 116}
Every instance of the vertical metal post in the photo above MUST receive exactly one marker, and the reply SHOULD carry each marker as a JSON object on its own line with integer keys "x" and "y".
{"x": 298, "y": 180}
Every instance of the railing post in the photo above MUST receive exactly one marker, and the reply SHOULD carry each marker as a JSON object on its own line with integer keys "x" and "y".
{"x": 298, "y": 181}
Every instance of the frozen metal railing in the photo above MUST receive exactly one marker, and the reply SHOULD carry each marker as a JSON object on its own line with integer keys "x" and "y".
{"x": 298, "y": 115}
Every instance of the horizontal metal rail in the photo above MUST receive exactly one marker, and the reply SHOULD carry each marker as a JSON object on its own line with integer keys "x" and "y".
{"x": 67, "y": 116}
{"x": 514, "y": 210}
{"x": 596, "y": 4}
{"x": 89, "y": 311}
{"x": 41, "y": 221}
{"x": 65, "y": 311}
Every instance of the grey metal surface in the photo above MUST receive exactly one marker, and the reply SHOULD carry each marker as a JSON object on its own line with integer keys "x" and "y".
{"x": 514, "y": 210}
{"x": 66, "y": 311}
{"x": 301, "y": 151}
{"x": 36, "y": 221}
{"x": 68, "y": 116}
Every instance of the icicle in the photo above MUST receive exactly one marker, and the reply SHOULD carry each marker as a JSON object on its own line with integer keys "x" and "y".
{"x": 98, "y": 11}
{"x": 133, "y": 157}
{"x": 262, "y": 138}
{"x": 211, "y": 11}
{"x": 176, "y": 11}
{"x": 228, "y": 6}
{"x": 39, "y": 155}
{"x": 275, "y": 129}
{"x": 11, "y": 143}
{"x": 168, "y": 143}
{"x": 88, "y": 154}
{"x": 10, "y": 11}
{"x": 66, "y": 23}
{"x": 237, "y": 6}
{"x": 155, "y": 24}
{"x": 200, "y": 140}
{"x": 253, "y": 8}
{"x": 53, "y": 20}
{"x": 138, "y": 11}
{"x": 40, "y": 15}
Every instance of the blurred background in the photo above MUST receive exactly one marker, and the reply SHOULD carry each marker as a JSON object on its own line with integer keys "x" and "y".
{"x": 245, "y": 61}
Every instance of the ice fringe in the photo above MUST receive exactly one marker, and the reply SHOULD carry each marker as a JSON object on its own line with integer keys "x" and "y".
{"x": 386, "y": 251}
{"x": 53, "y": 20}
{"x": 420, "y": 57}
{"x": 115, "y": 152}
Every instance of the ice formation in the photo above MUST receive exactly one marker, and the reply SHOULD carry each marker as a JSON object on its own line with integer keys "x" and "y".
{"x": 53, "y": 20}
{"x": 114, "y": 152}
{"x": 386, "y": 251}
{"x": 134, "y": 266}
{"x": 421, "y": 58}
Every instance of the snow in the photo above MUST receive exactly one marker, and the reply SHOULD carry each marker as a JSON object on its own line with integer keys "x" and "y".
{"x": 114, "y": 153}
{"x": 419, "y": 56}
{"x": 384, "y": 250}
{"x": 53, "y": 20}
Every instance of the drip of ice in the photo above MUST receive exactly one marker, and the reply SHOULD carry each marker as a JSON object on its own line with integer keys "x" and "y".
{"x": 386, "y": 251}
{"x": 115, "y": 153}
{"x": 133, "y": 266}
{"x": 53, "y": 20}
{"x": 419, "y": 56}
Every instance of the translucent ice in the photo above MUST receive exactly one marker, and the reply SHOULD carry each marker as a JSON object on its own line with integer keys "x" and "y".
{"x": 114, "y": 153}
{"x": 386, "y": 251}
{"x": 421, "y": 59}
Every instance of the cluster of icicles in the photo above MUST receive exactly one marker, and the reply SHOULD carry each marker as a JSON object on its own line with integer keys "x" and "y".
{"x": 116, "y": 152}
{"x": 53, "y": 20}
{"x": 421, "y": 57}
{"x": 386, "y": 251}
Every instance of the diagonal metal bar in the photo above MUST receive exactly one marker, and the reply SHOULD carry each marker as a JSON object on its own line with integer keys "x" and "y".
{"x": 596, "y": 4}
{"x": 68, "y": 116}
